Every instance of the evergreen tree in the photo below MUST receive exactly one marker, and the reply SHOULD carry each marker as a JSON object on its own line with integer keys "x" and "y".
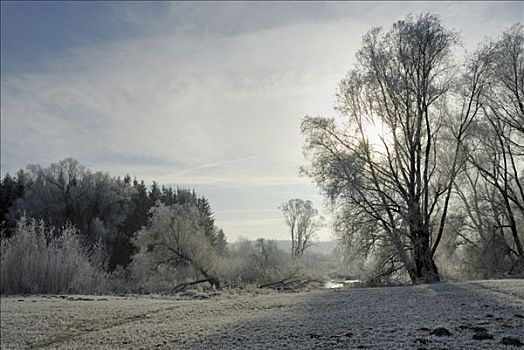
{"x": 221, "y": 243}
{"x": 207, "y": 221}
{"x": 8, "y": 195}
{"x": 167, "y": 195}
{"x": 155, "y": 194}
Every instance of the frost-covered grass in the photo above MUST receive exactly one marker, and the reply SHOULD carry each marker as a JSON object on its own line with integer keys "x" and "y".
{"x": 475, "y": 315}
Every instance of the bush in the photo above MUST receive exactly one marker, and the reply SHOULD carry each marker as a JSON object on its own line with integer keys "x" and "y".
{"x": 38, "y": 259}
{"x": 262, "y": 263}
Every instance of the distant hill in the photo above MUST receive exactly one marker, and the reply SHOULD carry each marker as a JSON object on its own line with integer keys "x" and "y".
{"x": 322, "y": 247}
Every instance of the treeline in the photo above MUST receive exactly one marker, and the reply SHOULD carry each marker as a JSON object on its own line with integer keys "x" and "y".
{"x": 106, "y": 210}
{"x": 66, "y": 229}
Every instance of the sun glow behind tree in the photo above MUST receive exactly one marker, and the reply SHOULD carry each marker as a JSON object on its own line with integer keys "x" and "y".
{"x": 377, "y": 134}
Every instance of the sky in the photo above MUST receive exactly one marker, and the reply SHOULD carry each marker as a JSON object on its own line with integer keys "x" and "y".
{"x": 207, "y": 95}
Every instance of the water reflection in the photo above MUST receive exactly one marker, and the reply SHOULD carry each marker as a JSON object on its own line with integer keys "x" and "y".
{"x": 341, "y": 283}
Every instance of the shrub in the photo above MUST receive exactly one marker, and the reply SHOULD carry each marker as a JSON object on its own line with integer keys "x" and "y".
{"x": 39, "y": 259}
{"x": 262, "y": 263}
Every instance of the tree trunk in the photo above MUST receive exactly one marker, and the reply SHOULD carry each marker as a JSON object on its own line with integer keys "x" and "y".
{"x": 513, "y": 225}
{"x": 211, "y": 278}
{"x": 215, "y": 282}
{"x": 425, "y": 270}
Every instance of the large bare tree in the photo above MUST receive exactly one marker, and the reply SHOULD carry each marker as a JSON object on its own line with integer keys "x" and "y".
{"x": 496, "y": 150}
{"x": 303, "y": 221}
{"x": 389, "y": 163}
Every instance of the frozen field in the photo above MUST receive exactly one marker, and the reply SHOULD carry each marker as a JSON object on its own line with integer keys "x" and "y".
{"x": 477, "y": 315}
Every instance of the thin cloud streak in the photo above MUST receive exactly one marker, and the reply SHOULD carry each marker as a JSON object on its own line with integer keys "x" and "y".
{"x": 234, "y": 181}
{"x": 251, "y": 222}
{"x": 246, "y": 211}
{"x": 210, "y": 166}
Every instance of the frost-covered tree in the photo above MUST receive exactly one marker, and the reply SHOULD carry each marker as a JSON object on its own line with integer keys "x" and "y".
{"x": 55, "y": 193}
{"x": 97, "y": 204}
{"x": 303, "y": 221}
{"x": 175, "y": 239}
{"x": 492, "y": 188}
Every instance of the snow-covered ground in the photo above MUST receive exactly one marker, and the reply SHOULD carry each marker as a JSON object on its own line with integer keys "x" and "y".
{"x": 475, "y": 315}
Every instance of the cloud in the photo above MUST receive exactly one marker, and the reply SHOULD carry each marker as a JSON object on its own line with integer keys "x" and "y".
{"x": 247, "y": 211}
{"x": 252, "y": 222}
{"x": 186, "y": 102}
{"x": 178, "y": 95}
{"x": 212, "y": 165}
{"x": 235, "y": 181}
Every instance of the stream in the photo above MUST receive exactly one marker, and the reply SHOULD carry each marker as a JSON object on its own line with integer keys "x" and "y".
{"x": 341, "y": 283}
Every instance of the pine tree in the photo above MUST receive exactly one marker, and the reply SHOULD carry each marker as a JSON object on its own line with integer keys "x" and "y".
{"x": 155, "y": 194}
{"x": 207, "y": 220}
{"x": 221, "y": 243}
